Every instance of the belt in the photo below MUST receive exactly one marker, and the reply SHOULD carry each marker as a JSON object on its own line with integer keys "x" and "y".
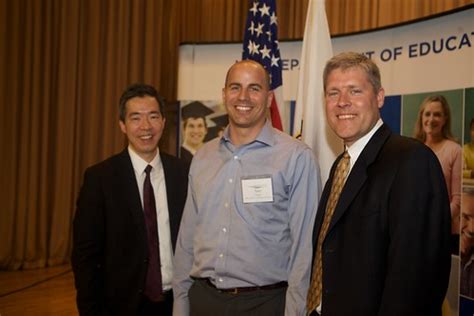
{"x": 166, "y": 296}
{"x": 237, "y": 290}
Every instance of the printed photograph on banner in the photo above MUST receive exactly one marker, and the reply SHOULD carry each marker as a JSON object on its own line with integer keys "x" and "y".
{"x": 201, "y": 121}
{"x": 467, "y": 242}
{"x": 438, "y": 124}
{"x": 468, "y": 146}
{"x": 467, "y": 203}
{"x": 411, "y": 104}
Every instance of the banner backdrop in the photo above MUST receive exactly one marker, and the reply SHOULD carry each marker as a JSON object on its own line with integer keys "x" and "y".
{"x": 430, "y": 57}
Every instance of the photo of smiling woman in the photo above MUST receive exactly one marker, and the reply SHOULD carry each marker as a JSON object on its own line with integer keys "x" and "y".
{"x": 433, "y": 128}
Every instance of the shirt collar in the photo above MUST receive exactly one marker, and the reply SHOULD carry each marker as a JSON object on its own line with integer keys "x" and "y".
{"x": 266, "y": 135}
{"x": 139, "y": 164}
{"x": 356, "y": 148}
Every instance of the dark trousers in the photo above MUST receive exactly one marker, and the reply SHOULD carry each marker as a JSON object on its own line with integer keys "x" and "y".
{"x": 205, "y": 300}
{"x": 164, "y": 308}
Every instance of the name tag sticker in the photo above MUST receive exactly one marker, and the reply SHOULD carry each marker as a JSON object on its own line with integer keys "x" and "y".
{"x": 257, "y": 189}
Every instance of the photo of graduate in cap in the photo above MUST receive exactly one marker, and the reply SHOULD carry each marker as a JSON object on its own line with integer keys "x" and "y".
{"x": 194, "y": 128}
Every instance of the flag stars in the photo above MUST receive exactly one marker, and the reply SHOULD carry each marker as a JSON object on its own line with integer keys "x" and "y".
{"x": 253, "y": 48}
{"x": 265, "y": 52}
{"x": 252, "y": 28}
{"x": 269, "y": 34}
{"x": 254, "y": 8}
{"x": 250, "y": 47}
{"x": 260, "y": 39}
{"x": 273, "y": 19}
{"x": 264, "y": 10}
{"x": 259, "y": 29}
{"x": 274, "y": 60}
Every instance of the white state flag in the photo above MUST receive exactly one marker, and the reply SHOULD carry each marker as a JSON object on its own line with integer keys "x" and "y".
{"x": 310, "y": 118}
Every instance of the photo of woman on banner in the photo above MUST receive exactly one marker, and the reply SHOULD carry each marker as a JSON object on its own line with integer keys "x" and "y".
{"x": 433, "y": 128}
{"x": 194, "y": 128}
{"x": 468, "y": 154}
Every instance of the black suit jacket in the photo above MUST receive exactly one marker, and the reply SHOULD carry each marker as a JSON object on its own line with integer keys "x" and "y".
{"x": 387, "y": 248}
{"x": 110, "y": 249}
{"x": 186, "y": 155}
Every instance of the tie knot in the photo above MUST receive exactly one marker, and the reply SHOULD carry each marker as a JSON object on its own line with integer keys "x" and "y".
{"x": 342, "y": 168}
{"x": 148, "y": 169}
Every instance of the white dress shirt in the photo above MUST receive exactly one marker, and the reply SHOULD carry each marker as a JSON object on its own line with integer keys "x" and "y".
{"x": 157, "y": 178}
{"x": 358, "y": 146}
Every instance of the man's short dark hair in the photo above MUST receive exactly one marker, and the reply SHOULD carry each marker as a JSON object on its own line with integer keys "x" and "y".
{"x": 139, "y": 90}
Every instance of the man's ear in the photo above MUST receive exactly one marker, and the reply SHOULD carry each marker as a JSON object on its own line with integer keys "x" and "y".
{"x": 123, "y": 128}
{"x": 271, "y": 95}
{"x": 380, "y": 97}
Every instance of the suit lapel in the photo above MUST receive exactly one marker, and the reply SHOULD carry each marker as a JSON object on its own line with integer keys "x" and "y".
{"x": 358, "y": 174}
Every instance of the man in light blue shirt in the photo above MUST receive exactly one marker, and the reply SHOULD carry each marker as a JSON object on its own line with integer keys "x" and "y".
{"x": 244, "y": 245}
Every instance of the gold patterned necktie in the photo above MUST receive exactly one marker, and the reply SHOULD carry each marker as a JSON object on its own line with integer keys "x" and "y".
{"x": 315, "y": 289}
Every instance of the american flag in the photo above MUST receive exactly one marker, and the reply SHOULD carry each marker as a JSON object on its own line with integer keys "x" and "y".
{"x": 261, "y": 45}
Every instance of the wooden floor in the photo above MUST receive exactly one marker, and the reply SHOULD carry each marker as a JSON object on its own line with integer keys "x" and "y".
{"x": 41, "y": 292}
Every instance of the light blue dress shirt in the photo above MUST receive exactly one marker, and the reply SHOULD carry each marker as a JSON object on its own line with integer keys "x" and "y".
{"x": 238, "y": 244}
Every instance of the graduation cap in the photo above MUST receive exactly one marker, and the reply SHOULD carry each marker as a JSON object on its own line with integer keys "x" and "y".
{"x": 195, "y": 109}
{"x": 220, "y": 122}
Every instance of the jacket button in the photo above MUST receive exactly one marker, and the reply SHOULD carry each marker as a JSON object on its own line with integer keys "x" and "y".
{"x": 145, "y": 260}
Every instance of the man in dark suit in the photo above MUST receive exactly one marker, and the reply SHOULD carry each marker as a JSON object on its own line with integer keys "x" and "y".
{"x": 383, "y": 247}
{"x": 127, "y": 219}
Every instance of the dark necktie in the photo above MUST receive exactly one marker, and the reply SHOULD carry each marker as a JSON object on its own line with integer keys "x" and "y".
{"x": 315, "y": 289}
{"x": 153, "y": 283}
